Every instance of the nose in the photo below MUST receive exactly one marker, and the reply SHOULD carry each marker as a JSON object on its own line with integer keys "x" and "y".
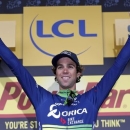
{"x": 65, "y": 70}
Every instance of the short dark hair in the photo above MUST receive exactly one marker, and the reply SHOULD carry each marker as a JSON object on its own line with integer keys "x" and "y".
{"x": 79, "y": 68}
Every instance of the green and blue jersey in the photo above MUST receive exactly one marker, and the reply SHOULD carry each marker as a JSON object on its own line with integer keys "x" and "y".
{"x": 51, "y": 112}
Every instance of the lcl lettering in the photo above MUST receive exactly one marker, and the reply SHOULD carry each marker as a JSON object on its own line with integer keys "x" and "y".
{"x": 82, "y": 30}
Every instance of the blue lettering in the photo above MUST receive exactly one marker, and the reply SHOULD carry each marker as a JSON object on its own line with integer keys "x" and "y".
{"x": 40, "y": 31}
{"x": 82, "y": 30}
{"x": 55, "y": 28}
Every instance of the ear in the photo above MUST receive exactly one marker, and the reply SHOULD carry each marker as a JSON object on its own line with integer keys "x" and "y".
{"x": 78, "y": 74}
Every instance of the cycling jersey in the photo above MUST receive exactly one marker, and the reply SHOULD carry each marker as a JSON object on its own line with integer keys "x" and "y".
{"x": 51, "y": 112}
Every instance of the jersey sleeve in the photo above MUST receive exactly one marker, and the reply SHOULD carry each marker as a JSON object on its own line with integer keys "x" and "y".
{"x": 99, "y": 93}
{"x": 34, "y": 91}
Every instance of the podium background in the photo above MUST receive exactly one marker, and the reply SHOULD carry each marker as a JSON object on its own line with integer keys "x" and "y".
{"x": 17, "y": 113}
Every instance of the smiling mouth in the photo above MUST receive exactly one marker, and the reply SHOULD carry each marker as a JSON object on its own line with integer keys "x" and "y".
{"x": 65, "y": 78}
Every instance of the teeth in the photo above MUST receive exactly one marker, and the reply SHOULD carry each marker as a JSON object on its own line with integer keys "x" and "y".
{"x": 65, "y": 78}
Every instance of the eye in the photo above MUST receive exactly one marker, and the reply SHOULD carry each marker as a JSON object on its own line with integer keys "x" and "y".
{"x": 59, "y": 67}
{"x": 71, "y": 66}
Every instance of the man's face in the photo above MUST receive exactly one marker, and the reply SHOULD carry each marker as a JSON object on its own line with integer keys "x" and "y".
{"x": 66, "y": 73}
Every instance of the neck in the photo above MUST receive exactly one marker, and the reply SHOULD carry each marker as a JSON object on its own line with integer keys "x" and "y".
{"x": 69, "y": 88}
{"x": 65, "y": 92}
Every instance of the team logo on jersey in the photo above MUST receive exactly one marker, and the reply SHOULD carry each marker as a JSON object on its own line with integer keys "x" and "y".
{"x": 53, "y": 112}
{"x": 56, "y": 114}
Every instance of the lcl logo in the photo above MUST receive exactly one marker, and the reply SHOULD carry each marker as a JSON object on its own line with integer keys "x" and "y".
{"x": 57, "y": 33}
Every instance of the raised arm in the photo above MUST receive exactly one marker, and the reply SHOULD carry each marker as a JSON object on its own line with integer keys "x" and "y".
{"x": 32, "y": 89}
{"x": 100, "y": 92}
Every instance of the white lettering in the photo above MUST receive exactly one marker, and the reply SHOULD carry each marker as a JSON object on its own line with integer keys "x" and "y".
{"x": 56, "y": 114}
{"x": 84, "y": 110}
{"x": 78, "y": 111}
{"x": 64, "y": 113}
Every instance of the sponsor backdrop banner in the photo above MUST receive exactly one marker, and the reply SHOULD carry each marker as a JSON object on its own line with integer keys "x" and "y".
{"x": 7, "y": 29}
{"x": 122, "y": 32}
{"x": 16, "y": 21}
{"x": 16, "y": 6}
{"x": 60, "y": 29}
{"x": 110, "y": 49}
{"x": 17, "y": 112}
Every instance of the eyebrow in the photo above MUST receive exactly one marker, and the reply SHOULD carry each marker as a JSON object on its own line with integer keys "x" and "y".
{"x": 67, "y": 64}
{"x": 58, "y": 65}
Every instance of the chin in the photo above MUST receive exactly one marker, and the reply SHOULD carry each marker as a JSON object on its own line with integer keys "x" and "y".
{"x": 65, "y": 86}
